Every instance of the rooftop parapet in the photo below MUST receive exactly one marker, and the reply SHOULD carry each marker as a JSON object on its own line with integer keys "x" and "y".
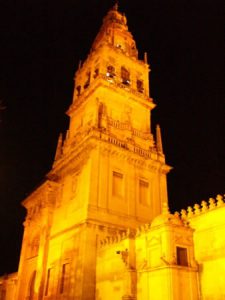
{"x": 205, "y": 207}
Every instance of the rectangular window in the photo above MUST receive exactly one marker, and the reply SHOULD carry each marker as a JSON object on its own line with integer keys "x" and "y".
{"x": 47, "y": 282}
{"x": 64, "y": 278}
{"x": 182, "y": 257}
{"x": 143, "y": 192}
{"x": 117, "y": 184}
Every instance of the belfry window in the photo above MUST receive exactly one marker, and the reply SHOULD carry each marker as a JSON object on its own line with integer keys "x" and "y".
{"x": 110, "y": 72}
{"x": 182, "y": 257}
{"x": 125, "y": 76}
{"x": 87, "y": 83}
{"x": 96, "y": 73}
{"x": 78, "y": 90}
{"x": 140, "y": 86}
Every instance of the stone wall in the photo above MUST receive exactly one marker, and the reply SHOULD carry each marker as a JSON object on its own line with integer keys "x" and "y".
{"x": 208, "y": 221}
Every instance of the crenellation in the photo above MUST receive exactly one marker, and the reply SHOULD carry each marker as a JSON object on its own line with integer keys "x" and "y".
{"x": 212, "y": 203}
{"x": 197, "y": 209}
{"x": 204, "y": 205}
{"x": 203, "y": 208}
{"x": 190, "y": 212}
{"x": 220, "y": 200}
{"x": 183, "y": 214}
{"x": 177, "y": 215}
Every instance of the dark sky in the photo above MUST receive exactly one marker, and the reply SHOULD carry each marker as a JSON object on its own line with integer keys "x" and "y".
{"x": 41, "y": 43}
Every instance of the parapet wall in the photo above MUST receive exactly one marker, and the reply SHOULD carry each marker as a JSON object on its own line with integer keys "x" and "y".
{"x": 205, "y": 207}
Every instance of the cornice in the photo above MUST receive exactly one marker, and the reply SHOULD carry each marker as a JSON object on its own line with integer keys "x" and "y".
{"x": 73, "y": 159}
{"x": 133, "y": 155}
{"x": 77, "y": 153}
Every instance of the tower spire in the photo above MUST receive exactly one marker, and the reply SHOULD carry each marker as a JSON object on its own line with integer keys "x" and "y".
{"x": 159, "y": 139}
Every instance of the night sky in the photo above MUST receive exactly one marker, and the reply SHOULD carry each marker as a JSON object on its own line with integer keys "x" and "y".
{"x": 41, "y": 43}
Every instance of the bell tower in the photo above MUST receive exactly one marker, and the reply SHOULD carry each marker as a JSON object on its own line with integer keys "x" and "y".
{"x": 109, "y": 173}
{"x": 110, "y": 131}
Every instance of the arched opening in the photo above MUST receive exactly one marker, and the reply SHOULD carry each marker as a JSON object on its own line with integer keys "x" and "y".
{"x": 140, "y": 86}
{"x": 88, "y": 79}
{"x": 110, "y": 72}
{"x": 125, "y": 76}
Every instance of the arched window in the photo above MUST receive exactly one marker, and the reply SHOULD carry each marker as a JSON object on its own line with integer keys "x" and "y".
{"x": 110, "y": 72}
{"x": 140, "y": 86}
{"x": 30, "y": 295}
{"x": 96, "y": 73}
{"x": 78, "y": 90}
{"x": 125, "y": 76}
{"x": 87, "y": 83}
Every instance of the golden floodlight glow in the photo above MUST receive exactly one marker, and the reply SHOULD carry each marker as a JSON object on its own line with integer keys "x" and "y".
{"x": 99, "y": 227}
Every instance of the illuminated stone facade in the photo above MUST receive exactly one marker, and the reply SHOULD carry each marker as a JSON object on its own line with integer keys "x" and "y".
{"x": 99, "y": 227}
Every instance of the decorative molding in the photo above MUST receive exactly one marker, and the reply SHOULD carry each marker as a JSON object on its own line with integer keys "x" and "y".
{"x": 142, "y": 229}
{"x": 118, "y": 237}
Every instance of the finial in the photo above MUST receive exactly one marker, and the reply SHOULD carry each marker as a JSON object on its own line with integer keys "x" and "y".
{"x": 116, "y": 5}
{"x": 159, "y": 139}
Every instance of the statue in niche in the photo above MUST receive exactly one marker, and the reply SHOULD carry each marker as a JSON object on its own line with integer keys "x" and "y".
{"x": 102, "y": 116}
